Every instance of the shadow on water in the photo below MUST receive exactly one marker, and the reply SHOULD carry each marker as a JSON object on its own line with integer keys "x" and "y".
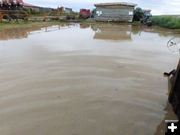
{"x": 168, "y": 116}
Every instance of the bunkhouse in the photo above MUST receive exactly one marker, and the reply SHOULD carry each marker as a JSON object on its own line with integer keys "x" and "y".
{"x": 115, "y": 12}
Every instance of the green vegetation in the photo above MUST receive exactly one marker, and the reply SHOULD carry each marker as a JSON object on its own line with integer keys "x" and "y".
{"x": 136, "y": 23}
{"x": 167, "y": 21}
{"x": 32, "y": 12}
{"x": 93, "y": 12}
{"x": 138, "y": 14}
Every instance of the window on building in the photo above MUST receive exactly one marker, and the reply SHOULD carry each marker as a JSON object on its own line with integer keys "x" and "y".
{"x": 130, "y": 12}
{"x": 99, "y": 13}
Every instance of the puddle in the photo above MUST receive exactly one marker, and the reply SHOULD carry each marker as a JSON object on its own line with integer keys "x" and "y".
{"x": 99, "y": 79}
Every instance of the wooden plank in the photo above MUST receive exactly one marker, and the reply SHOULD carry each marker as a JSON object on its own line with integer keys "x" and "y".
{"x": 174, "y": 95}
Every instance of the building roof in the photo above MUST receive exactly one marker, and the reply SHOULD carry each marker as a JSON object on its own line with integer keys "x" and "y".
{"x": 17, "y": 2}
{"x": 29, "y": 5}
{"x": 147, "y": 10}
{"x": 115, "y": 4}
{"x": 68, "y": 8}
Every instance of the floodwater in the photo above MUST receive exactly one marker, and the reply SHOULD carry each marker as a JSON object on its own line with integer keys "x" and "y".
{"x": 77, "y": 79}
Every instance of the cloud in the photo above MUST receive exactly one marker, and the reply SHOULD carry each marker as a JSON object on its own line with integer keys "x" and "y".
{"x": 158, "y": 6}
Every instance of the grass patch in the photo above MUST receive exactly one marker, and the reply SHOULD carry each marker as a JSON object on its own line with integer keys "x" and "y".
{"x": 167, "y": 21}
{"x": 136, "y": 23}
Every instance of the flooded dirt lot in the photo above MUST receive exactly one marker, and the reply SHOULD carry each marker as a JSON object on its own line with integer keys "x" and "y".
{"x": 103, "y": 79}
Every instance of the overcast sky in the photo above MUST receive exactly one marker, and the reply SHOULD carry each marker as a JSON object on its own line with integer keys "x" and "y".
{"x": 158, "y": 6}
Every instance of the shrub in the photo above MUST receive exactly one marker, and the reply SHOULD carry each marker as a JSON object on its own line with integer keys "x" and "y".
{"x": 138, "y": 14}
{"x": 172, "y": 22}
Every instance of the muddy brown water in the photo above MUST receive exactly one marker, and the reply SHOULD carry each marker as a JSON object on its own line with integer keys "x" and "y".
{"x": 76, "y": 79}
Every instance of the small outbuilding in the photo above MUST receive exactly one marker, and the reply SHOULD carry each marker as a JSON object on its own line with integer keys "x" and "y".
{"x": 85, "y": 13}
{"x": 115, "y": 12}
{"x": 147, "y": 12}
{"x": 68, "y": 10}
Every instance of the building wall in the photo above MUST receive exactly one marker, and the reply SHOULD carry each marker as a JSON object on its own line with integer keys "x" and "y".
{"x": 42, "y": 9}
{"x": 68, "y": 10}
{"x": 114, "y": 13}
{"x": 34, "y": 9}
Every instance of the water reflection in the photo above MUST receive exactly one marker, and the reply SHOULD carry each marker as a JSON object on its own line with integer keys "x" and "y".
{"x": 14, "y": 33}
{"x": 112, "y": 32}
{"x": 18, "y": 33}
{"x": 138, "y": 30}
{"x": 84, "y": 26}
{"x": 174, "y": 44}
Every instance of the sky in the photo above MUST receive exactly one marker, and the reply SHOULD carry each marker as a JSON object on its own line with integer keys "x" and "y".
{"x": 158, "y": 7}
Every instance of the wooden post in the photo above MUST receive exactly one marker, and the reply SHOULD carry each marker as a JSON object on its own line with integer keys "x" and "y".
{"x": 174, "y": 96}
{"x": 59, "y": 12}
{"x": 45, "y": 17}
{"x": 1, "y": 17}
{"x": 26, "y": 16}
